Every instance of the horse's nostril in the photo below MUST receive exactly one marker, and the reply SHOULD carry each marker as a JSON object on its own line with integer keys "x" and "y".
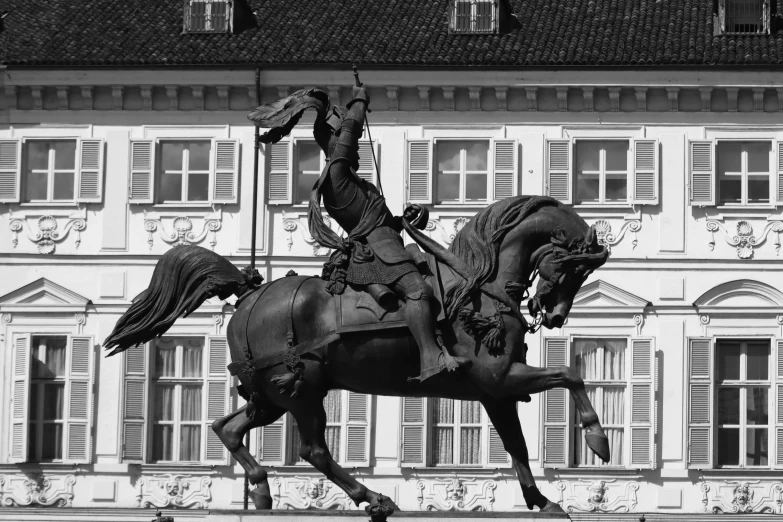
{"x": 557, "y": 321}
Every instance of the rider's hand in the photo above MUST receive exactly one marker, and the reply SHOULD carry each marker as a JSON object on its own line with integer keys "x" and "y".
{"x": 359, "y": 93}
{"x": 416, "y": 216}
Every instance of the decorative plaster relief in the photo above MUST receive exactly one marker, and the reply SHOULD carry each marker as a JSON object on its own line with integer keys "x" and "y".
{"x": 446, "y": 236}
{"x": 46, "y": 231}
{"x": 780, "y": 98}
{"x": 587, "y": 96}
{"x": 614, "y": 99}
{"x": 603, "y": 230}
{"x": 456, "y": 494}
{"x": 706, "y": 98}
{"x": 198, "y": 97}
{"x": 292, "y": 223}
{"x": 116, "y": 95}
{"x": 36, "y": 92}
{"x": 674, "y": 95}
{"x": 180, "y": 229}
{"x": 424, "y": 98}
{"x": 532, "y": 98}
{"x": 308, "y": 493}
{"x": 758, "y": 99}
{"x": 62, "y": 97}
{"x": 223, "y": 92}
{"x": 87, "y": 97}
{"x": 742, "y": 497}
{"x": 217, "y": 320}
{"x": 172, "y": 94}
{"x": 606, "y": 496}
{"x": 501, "y": 94}
{"x": 744, "y": 240}
{"x": 475, "y": 98}
{"x": 448, "y": 97}
{"x": 36, "y": 489}
{"x": 732, "y": 93}
{"x": 173, "y": 490}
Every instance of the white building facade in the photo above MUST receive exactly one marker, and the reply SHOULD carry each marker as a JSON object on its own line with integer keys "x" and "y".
{"x": 679, "y": 337}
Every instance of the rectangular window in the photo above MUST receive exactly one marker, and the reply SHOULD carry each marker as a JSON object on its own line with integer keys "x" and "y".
{"x": 310, "y": 161}
{"x": 462, "y": 171}
{"x": 333, "y": 405}
{"x": 744, "y": 174}
{"x": 743, "y": 389}
{"x": 602, "y": 365}
{"x": 49, "y": 171}
{"x": 601, "y": 171}
{"x": 208, "y": 16}
{"x": 183, "y": 171}
{"x": 474, "y": 16}
{"x": 47, "y": 398}
{"x": 745, "y": 16}
{"x": 456, "y": 432}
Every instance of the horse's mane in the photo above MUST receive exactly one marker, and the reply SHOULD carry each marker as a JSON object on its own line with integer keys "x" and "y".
{"x": 478, "y": 243}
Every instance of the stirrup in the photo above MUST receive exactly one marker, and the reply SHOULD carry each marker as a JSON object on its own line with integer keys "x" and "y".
{"x": 447, "y": 363}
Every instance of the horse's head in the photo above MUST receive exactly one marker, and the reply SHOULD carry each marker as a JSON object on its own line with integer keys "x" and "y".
{"x": 563, "y": 264}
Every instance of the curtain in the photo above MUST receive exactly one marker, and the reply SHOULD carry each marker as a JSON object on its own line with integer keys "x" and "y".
{"x": 52, "y": 442}
{"x": 164, "y": 402}
{"x": 613, "y": 407}
{"x": 471, "y": 412}
{"x": 49, "y": 356}
{"x": 193, "y": 350}
{"x": 190, "y": 443}
{"x": 470, "y": 446}
{"x": 162, "y": 442}
{"x": 165, "y": 358}
{"x": 614, "y": 359}
{"x": 333, "y": 404}
{"x": 54, "y": 397}
{"x": 443, "y": 445}
{"x": 333, "y": 441}
{"x": 191, "y": 403}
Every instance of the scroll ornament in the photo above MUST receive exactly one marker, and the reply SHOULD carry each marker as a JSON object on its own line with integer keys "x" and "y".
{"x": 46, "y": 232}
{"x": 36, "y": 489}
{"x": 456, "y": 494}
{"x": 173, "y": 491}
{"x": 744, "y": 240}
{"x": 604, "y": 496}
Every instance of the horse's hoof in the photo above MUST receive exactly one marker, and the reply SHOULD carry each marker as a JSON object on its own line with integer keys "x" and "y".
{"x": 599, "y": 443}
{"x": 260, "y": 500}
{"x": 381, "y": 509}
{"x": 551, "y": 507}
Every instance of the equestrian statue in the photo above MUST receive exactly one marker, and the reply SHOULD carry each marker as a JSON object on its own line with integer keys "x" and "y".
{"x": 384, "y": 318}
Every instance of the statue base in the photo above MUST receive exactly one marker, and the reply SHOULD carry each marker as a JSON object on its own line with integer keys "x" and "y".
{"x": 402, "y": 516}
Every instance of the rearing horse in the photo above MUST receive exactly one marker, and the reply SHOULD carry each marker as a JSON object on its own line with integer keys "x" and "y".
{"x": 504, "y": 246}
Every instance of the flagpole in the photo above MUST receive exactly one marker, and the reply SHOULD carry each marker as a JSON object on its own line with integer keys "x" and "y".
{"x": 369, "y": 136}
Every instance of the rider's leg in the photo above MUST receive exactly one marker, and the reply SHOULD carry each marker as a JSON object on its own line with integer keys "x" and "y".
{"x": 418, "y": 296}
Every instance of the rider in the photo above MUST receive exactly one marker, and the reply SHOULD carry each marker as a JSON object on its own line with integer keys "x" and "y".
{"x": 373, "y": 253}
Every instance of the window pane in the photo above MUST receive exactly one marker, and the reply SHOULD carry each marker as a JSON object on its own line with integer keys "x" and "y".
{"x": 730, "y": 189}
{"x": 470, "y": 446}
{"x": 442, "y": 446}
{"x": 164, "y": 403}
{"x": 471, "y": 412}
{"x": 584, "y": 456}
{"x": 448, "y": 153}
{"x": 63, "y": 185}
{"x": 304, "y": 185}
{"x": 758, "y": 361}
{"x": 171, "y": 187}
{"x": 476, "y": 187}
{"x": 191, "y": 403}
{"x": 614, "y": 359}
{"x": 52, "y": 442}
{"x": 64, "y": 155}
{"x": 758, "y": 452}
{"x": 758, "y": 406}
{"x": 616, "y": 187}
{"x": 171, "y": 155}
{"x": 32, "y": 444}
{"x": 446, "y": 187}
{"x": 198, "y": 187}
{"x": 162, "y": 442}
{"x": 588, "y": 155}
{"x": 199, "y": 155}
{"x": 587, "y": 187}
{"x": 442, "y": 411}
{"x": 37, "y": 154}
{"x": 616, "y": 155}
{"x": 728, "y": 405}
{"x": 308, "y": 156}
{"x": 613, "y": 405}
{"x": 53, "y": 401}
{"x": 192, "y": 351}
{"x": 600, "y": 359}
{"x": 728, "y": 447}
{"x": 332, "y": 435}
{"x": 190, "y": 443}
{"x": 758, "y": 156}
{"x": 49, "y": 356}
{"x": 758, "y": 189}
{"x": 333, "y": 405}
{"x": 729, "y": 157}
{"x": 35, "y": 185}
{"x": 476, "y": 155}
{"x": 728, "y": 361}
{"x": 165, "y": 357}
{"x": 33, "y": 413}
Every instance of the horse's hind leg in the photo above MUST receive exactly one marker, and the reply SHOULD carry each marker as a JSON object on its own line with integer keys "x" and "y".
{"x": 231, "y": 430}
{"x": 311, "y": 419}
{"x": 503, "y": 414}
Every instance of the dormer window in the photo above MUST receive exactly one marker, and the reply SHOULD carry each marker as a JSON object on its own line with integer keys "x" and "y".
{"x": 744, "y": 16}
{"x": 474, "y": 16}
{"x": 208, "y": 16}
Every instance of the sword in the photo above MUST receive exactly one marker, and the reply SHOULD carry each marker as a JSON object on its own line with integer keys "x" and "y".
{"x": 358, "y": 83}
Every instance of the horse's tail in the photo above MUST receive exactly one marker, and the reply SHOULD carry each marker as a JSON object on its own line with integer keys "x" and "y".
{"x": 183, "y": 279}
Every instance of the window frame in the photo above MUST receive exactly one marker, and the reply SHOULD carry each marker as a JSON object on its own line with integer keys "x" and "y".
{"x": 50, "y": 171}
{"x": 297, "y": 198}
{"x": 456, "y": 426}
{"x": 602, "y": 173}
{"x": 41, "y": 383}
{"x": 473, "y": 22}
{"x": 187, "y": 26}
{"x": 463, "y": 173}
{"x": 744, "y": 174}
{"x": 185, "y": 172}
{"x": 766, "y": 12}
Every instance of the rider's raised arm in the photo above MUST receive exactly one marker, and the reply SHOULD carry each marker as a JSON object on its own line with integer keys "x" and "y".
{"x": 345, "y": 156}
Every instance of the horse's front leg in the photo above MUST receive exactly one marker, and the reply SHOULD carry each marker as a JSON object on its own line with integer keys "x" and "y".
{"x": 523, "y": 378}
{"x": 503, "y": 414}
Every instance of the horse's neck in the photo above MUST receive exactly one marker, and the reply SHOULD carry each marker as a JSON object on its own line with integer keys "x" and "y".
{"x": 515, "y": 256}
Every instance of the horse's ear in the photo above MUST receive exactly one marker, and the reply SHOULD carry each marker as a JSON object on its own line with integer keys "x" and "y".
{"x": 590, "y": 236}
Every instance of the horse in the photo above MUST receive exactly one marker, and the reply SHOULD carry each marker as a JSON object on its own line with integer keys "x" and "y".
{"x": 504, "y": 247}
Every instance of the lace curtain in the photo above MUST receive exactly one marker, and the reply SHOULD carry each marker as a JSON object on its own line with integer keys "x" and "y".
{"x": 442, "y": 417}
{"x": 333, "y": 404}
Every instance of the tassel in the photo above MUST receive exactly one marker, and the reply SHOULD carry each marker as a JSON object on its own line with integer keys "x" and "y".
{"x": 489, "y": 330}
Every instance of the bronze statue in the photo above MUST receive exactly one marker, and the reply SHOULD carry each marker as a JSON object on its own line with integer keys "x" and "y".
{"x": 293, "y": 339}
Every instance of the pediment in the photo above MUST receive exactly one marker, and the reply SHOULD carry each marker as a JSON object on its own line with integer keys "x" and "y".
{"x": 600, "y": 295}
{"x": 43, "y": 295}
{"x": 742, "y": 293}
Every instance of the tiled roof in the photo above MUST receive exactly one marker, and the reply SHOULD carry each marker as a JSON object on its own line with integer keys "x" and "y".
{"x": 380, "y": 32}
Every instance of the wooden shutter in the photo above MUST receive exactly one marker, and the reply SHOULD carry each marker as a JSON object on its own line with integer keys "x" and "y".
{"x": 419, "y": 171}
{"x": 272, "y": 443}
{"x": 217, "y": 386}
{"x": 702, "y": 172}
{"x": 700, "y": 411}
{"x": 497, "y": 457}
{"x": 779, "y": 173}
{"x": 78, "y": 441}
{"x": 280, "y": 175}
{"x": 505, "y": 172}
{"x": 142, "y": 182}
{"x": 10, "y": 171}
{"x": 90, "y": 171}
{"x": 645, "y": 172}
{"x": 225, "y": 171}
{"x": 642, "y": 404}
{"x": 556, "y": 407}
{"x": 21, "y": 399}
{"x": 134, "y": 410}
{"x": 778, "y": 433}
{"x": 366, "y": 164}
{"x": 413, "y": 441}
{"x": 357, "y": 430}
{"x": 558, "y": 170}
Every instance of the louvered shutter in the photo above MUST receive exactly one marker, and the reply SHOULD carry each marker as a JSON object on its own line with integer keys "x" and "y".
{"x": 366, "y": 164}
{"x": 645, "y": 172}
{"x": 10, "y": 170}
{"x": 497, "y": 457}
{"x": 413, "y": 440}
{"x": 642, "y": 404}
{"x": 280, "y": 176}
{"x": 556, "y": 407}
{"x": 357, "y": 430}
{"x": 702, "y": 172}
{"x": 134, "y": 410}
{"x": 505, "y": 168}
{"x": 21, "y": 399}
{"x": 419, "y": 171}
{"x": 225, "y": 171}
{"x": 217, "y": 387}
{"x": 90, "y": 171}
{"x": 778, "y": 434}
{"x": 779, "y": 174}
{"x": 272, "y": 447}
{"x": 700, "y": 414}
{"x": 78, "y": 442}
{"x": 142, "y": 182}
{"x": 558, "y": 170}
